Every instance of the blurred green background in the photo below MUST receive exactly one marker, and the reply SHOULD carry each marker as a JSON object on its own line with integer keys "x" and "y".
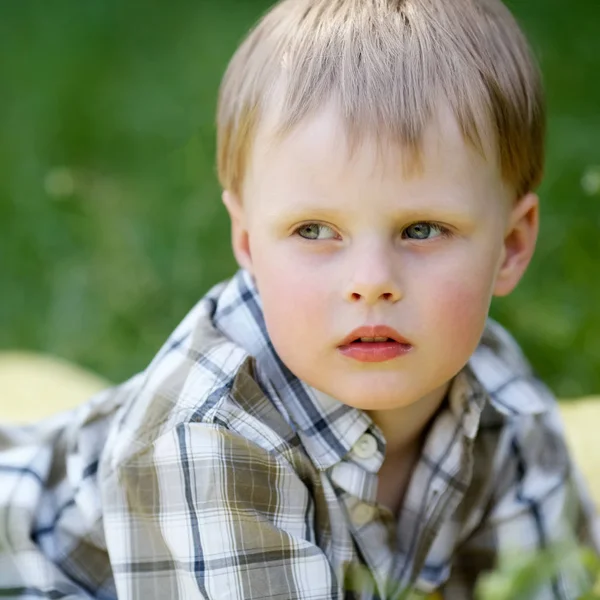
{"x": 111, "y": 226}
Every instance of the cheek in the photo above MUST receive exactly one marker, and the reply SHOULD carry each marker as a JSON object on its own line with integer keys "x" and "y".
{"x": 462, "y": 305}
{"x": 294, "y": 302}
{"x": 457, "y": 311}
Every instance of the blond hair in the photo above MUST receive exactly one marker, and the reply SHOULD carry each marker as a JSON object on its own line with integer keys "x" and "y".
{"x": 386, "y": 62}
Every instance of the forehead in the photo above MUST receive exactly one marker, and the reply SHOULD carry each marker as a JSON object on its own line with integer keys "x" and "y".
{"x": 318, "y": 159}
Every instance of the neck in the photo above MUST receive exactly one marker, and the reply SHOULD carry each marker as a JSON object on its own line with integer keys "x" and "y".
{"x": 404, "y": 428}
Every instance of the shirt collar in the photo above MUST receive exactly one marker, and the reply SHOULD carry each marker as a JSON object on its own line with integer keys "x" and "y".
{"x": 496, "y": 375}
{"x": 328, "y": 428}
{"x": 466, "y": 400}
{"x": 503, "y": 372}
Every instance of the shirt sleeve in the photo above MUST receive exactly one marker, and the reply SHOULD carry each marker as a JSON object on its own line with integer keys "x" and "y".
{"x": 540, "y": 501}
{"x": 204, "y": 513}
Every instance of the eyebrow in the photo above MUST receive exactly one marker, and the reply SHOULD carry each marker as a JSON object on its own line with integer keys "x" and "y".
{"x": 437, "y": 213}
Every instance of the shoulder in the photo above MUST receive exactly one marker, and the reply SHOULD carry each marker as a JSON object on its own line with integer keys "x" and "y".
{"x": 199, "y": 378}
{"x": 521, "y": 457}
{"x": 520, "y": 428}
{"x": 522, "y": 414}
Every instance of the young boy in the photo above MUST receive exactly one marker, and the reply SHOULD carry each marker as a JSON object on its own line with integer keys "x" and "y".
{"x": 340, "y": 419}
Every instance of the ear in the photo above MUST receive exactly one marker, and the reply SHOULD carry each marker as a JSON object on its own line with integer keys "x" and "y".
{"x": 519, "y": 244}
{"x": 240, "y": 240}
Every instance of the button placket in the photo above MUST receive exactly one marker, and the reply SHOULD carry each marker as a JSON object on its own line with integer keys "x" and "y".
{"x": 362, "y": 514}
{"x": 366, "y": 446}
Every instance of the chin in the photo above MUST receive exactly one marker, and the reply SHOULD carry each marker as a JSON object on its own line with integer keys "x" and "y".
{"x": 369, "y": 399}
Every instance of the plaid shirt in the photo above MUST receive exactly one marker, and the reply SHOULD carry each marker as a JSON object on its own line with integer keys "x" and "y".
{"x": 216, "y": 473}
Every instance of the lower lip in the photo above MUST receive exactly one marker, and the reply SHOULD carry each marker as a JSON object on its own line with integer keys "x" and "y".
{"x": 375, "y": 351}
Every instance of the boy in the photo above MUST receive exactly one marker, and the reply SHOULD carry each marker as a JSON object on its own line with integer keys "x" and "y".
{"x": 340, "y": 420}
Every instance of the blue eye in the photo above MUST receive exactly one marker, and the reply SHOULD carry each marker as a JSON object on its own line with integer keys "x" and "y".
{"x": 423, "y": 231}
{"x": 311, "y": 231}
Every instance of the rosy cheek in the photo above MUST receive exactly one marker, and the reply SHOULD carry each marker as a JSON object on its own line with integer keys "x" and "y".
{"x": 292, "y": 299}
{"x": 459, "y": 313}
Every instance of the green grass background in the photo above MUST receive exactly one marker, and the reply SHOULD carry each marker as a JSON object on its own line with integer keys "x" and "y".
{"x": 111, "y": 226}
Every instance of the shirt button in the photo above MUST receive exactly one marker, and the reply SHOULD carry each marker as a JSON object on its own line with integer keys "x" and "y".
{"x": 362, "y": 513}
{"x": 366, "y": 447}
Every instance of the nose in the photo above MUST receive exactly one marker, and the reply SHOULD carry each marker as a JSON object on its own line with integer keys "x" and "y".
{"x": 372, "y": 279}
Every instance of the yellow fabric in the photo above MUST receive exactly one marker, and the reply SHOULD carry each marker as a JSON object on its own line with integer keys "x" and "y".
{"x": 34, "y": 386}
{"x": 582, "y": 418}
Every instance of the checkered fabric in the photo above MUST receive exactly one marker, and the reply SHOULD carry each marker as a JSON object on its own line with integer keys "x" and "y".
{"x": 217, "y": 474}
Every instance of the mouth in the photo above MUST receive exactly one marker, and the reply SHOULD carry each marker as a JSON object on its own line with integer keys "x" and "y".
{"x": 374, "y": 334}
{"x": 377, "y": 343}
{"x": 375, "y": 340}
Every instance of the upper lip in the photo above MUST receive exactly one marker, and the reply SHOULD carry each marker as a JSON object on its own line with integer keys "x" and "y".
{"x": 372, "y": 331}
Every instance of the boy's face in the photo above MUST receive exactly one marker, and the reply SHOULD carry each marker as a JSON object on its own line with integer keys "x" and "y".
{"x": 336, "y": 242}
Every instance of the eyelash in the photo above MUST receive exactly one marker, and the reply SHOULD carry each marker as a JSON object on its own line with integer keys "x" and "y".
{"x": 444, "y": 231}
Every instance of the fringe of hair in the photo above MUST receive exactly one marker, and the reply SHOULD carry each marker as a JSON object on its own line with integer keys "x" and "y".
{"x": 388, "y": 63}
